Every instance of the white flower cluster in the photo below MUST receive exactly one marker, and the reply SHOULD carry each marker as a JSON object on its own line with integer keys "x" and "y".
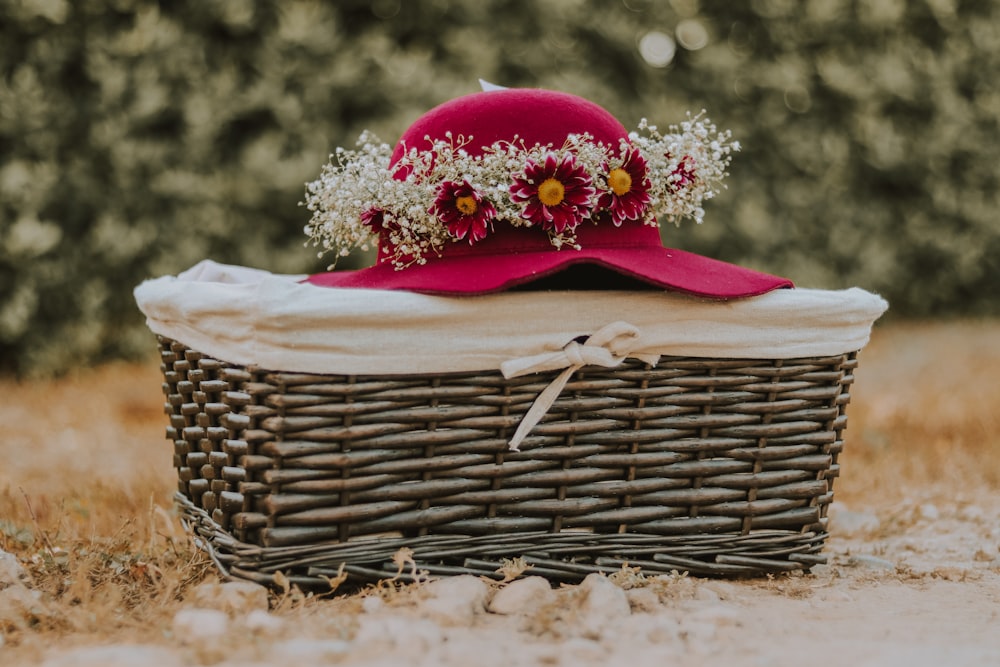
{"x": 358, "y": 196}
{"x": 686, "y": 166}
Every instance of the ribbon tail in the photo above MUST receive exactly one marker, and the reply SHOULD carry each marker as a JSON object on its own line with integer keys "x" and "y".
{"x": 541, "y": 405}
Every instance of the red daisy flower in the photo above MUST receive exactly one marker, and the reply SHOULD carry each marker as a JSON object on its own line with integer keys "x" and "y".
{"x": 375, "y": 218}
{"x": 463, "y": 210}
{"x": 683, "y": 174}
{"x": 627, "y": 194}
{"x": 383, "y": 224}
{"x": 556, "y": 194}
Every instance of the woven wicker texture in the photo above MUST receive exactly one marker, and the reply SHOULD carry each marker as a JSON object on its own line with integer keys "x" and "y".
{"x": 711, "y": 466}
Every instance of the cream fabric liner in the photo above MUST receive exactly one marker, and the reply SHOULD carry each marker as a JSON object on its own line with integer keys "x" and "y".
{"x": 254, "y": 318}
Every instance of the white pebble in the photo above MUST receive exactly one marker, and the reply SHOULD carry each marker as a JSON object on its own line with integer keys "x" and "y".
{"x": 706, "y": 594}
{"x": 232, "y": 597}
{"x": 394, "y": 631}
{"x": 724, "y": 590}
{"x": 603, "y": 606}
{"x": 929, "y": 512}
{"x": 643, "y": 600}
{"x": 821, "y": 570}
{"x": 11, "y": 572}
{"x": 973, "y": 513}
{"x": 259, "y": 621}
{"x": 455, "y": 599}
{"x": 191, "y": 625}
{"x": 656, "y": 628}
{"x": 372, "y": 604}
{"x": 522, "y": 596}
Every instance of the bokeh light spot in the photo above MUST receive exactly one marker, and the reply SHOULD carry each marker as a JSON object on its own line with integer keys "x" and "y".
{"x": 657, "y": 48}
{"x": 692, "y": 34}
{"x": 797, "y": 99}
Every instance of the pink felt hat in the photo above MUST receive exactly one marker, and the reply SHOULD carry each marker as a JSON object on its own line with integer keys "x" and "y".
{"x": 526, "y": 187}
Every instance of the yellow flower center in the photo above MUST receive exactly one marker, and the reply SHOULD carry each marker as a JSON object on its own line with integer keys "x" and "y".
{"x": 551, "y": 192}
{"x": 466, "y": 205}
{"x": 620, "y": 181}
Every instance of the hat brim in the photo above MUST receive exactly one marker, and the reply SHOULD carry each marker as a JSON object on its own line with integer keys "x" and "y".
{"x": 666, "y": 268}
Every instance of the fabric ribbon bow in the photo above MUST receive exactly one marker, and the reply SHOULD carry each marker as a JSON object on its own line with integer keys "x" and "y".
{"x": 609, "y": 346}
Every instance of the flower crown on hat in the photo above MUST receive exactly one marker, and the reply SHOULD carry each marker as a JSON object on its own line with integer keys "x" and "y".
{"x": 442, "y": 195}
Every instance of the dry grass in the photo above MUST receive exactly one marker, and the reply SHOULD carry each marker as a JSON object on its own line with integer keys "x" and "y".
{"x": 925, "y": 415}
{"x": 86, "y": 479}
{"x": 84, "y": 503}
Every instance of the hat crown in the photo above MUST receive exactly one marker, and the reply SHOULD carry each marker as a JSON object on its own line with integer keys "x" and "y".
{"x": 532, "y": 116}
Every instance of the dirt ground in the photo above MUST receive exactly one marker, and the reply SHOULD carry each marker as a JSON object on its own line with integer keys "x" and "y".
{"x": 95, "y": 569}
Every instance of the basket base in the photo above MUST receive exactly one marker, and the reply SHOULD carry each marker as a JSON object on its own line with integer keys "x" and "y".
{"x": 560, "y": 557}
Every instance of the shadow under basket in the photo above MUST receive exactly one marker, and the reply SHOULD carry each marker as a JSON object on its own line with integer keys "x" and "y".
{"x": 706, "y": 466}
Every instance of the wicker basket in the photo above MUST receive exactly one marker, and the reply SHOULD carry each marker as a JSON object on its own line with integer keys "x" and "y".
{"x": 706, "y": 466}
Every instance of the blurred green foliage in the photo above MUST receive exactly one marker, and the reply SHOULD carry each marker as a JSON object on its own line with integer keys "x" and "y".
{"x": 138, "y": 137}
